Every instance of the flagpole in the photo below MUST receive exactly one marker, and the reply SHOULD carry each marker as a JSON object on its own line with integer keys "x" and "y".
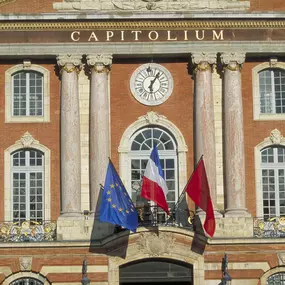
{"x": 183, "y": 192}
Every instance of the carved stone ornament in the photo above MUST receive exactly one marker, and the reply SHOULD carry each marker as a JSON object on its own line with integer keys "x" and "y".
{"x": 67, "y": 60}
{"x": 232, "y": 59}
{"x": 27, "y": 64}
{"x": 153, "y": 245}
{"x": 27, "y": 140}
{"x": 203, "y": 57}
{"x": 152, "y": 117}
{"x": 281, "y": 258}
{"x": 105, "y": 59}
{"x": 276, "y": 137}
{"x": 273, "y": 62}
{"x": 153, "y": 5}
{"x": 25, "y": 263}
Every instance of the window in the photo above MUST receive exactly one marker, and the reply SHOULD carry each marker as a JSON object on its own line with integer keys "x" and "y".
{"x": 27, "y": 98}
{"x": 276, "y": 279}
{"x": 27, "y": 185}
{"x": 272, "y": 91}
{"x": 273, "y": 181}
{"x": 27, "y": 93}
{"x": 27, "y": 281}
{"x": 141, "y": 146}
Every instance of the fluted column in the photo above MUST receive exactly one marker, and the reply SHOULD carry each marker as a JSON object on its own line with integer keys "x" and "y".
{"x": 70, "y": 135}
{"x": 234, "y": 136}
{"x": 204, "y": 127}
{"x": 99, "y": 122}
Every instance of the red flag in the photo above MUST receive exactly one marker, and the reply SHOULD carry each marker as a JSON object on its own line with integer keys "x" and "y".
{"x": 199, "y": 191}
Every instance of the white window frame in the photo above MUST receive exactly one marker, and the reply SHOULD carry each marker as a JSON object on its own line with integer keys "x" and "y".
{"x": 27, "y": 141}
{"x": 257, "y": 115}
{"x": 275, "y": 139}
{"x": 148, "y": 120}
{"x": 9, "y": 117}
{"x": 27, "y": 169}
{"x": 163, "y": 154}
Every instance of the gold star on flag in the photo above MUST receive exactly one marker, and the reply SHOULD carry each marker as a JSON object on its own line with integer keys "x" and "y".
{"x": 112, "y": 186}
{"x": 127, "y": 211}
{"x": 113, "y": 206}
{"x": 120, "y": 209}
{"x": 109, "y": 199}
{"x": 117, "y": 184}
{"x": 109, "y": 192}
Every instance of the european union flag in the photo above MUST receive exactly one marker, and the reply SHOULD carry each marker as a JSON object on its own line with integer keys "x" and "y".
{"x": 117, "y": 207}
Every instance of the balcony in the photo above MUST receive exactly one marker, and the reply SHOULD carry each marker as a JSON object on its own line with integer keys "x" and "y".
{"x": 153, "y": 216}
{"x": 27, "y": 231}
{"x": 269, "y": 228}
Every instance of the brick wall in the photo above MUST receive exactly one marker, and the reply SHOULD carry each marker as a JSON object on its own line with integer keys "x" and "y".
{"x": 46, "y": 133}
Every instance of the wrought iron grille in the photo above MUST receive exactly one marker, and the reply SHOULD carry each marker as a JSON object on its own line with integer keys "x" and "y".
{"x": 27, "y": 281}
{"x": 27, "y": 231}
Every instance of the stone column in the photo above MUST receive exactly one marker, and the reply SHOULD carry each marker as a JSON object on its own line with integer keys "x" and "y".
{"x": 99, "y": 122}
{"x": 204, "y": 126}
{"x": 70, "y": 135}
{"x": 233, "y": 135}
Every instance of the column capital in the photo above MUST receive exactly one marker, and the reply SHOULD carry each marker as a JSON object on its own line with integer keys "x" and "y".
{"x": 233, "y": 61}
{"x": 69, "y": 62}
{"x": 100, "y": 62}
{"x": 207, "y": 57}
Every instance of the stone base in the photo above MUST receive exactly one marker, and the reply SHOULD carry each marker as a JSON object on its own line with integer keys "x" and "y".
{"x": 80, "y": 227}
{"x": 234, "y": 227}
{"x": 237, "y": 213}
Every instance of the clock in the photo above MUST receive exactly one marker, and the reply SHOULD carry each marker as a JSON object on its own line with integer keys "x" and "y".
{"x": 151, "y": 84}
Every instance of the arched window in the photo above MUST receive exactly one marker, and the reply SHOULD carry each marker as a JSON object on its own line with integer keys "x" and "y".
{"x": 27, "y": 170}
{"x": 27, "y": 92}
{"x": 272, "y": 91}
{"x": 276, "y": 279}
{"x": 273, "y": 181}
{"x": 142, "y": 143}
{"x": 26, "y": 281}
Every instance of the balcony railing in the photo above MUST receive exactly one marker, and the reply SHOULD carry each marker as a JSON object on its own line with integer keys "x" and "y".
{"x": 27, "y": 231}
{"x": 151, "y": 216}
{"x": 269, "y": 228}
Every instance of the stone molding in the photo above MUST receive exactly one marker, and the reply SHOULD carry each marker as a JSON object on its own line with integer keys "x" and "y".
{"x": 100, "y": 62}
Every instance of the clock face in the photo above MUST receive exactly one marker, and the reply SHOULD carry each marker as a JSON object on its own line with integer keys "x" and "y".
{"x": 151, "y": 84}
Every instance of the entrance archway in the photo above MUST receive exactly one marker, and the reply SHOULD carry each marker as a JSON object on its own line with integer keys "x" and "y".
{"x": 155, "y": 271}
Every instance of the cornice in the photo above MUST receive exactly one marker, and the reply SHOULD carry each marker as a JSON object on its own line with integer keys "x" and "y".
{"x": 141, "y": 25}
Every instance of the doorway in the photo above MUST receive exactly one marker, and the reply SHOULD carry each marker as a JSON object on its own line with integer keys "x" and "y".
{"x": 156, "y": 272}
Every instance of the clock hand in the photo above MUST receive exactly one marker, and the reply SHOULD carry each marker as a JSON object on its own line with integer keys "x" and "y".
{"x": 152, "y": 82}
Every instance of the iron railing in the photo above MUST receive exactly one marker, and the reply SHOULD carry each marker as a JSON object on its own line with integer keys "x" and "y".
{"x": 269, "y": 228}
{"x": 27, "y": 231}
{"x": 151, "y": 216}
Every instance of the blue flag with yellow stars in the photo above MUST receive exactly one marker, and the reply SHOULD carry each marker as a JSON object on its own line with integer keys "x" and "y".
{"x": 117, "y": 207}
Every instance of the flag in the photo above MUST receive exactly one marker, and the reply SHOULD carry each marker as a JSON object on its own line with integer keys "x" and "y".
{"x": 154, "y": 186}
{"x": 117, "y": 207}
{"x": 199, "y": 191}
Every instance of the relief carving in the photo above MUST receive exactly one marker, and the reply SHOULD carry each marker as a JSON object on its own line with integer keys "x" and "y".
{"x": 153, "y": 245}
{"x": 25, "y": 263}
{"x": 276, "y": 137}
{"x": 281, "y": 258}
{"x": 152, "y": 5}
{"x": 152, "y": 117}
{"x": 27, "y": 140}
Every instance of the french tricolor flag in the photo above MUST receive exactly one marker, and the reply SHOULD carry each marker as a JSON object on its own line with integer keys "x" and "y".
{"x": 154, "y": 186}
